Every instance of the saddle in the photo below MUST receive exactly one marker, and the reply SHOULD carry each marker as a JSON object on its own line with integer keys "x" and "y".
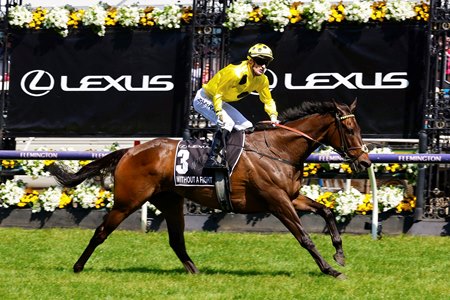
{"x": 192, "y": 154}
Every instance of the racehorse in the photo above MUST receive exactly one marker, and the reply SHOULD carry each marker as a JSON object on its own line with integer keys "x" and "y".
{"x": 267, "y": 178}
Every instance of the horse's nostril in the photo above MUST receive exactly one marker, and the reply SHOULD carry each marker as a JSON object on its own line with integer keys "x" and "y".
{"x": 366, "y": 163}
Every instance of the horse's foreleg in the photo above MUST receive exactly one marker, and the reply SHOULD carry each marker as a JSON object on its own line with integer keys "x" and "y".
{"x": 304, "y": 203}
{"x": 288, "y": 216}
{"x": 111, "y": 221}
{"x": 171, "y": 206}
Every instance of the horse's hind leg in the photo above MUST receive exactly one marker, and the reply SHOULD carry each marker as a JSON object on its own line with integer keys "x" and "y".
{"x": 109, "y": 224}
{"x": 304, "y": 203}
{"x": 171, "y": 206}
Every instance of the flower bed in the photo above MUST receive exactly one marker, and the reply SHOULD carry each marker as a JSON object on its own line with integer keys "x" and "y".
{"x": 277, "y": 13}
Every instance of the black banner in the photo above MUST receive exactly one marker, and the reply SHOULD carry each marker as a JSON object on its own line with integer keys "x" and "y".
{"x": 127, "y": 83}
{"x": 383, "y": 66}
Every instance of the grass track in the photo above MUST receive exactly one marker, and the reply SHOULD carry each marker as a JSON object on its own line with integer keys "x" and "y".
{"x": 37, "y": 264}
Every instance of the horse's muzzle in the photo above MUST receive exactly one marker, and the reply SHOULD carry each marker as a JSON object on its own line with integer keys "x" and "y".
{"x": 361, "y": 164}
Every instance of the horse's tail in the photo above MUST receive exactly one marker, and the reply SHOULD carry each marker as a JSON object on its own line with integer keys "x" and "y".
{"x": 99, "y": 167}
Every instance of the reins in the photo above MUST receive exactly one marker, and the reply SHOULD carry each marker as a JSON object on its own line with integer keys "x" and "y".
{"x": 342, "y": 151}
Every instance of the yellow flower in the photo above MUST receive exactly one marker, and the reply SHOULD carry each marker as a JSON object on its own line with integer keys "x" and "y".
{"x": 9, "y": 164}
{"x": 38, "y": 16}
{"x": 64, "y": 200}
{"x": 378, "y": 11}
{"x": 147, "y": 17}
{"x": 366, "y": 205}
{"x": 255, "y": 15}
{"x": 187, "y": 15}
{"x": 30, "y": 197}
{"x": 82, "y": 163}
{"x": 75, "y": 18}
{"x": 328, "y": 199}
{"x": 295, "y": 15}
{"x": 337, "y": 13}
{"x": 310, "y": 169}
{"x": 346, "y": 168}
{"x": 49, "y": 162}
{"x": 111, "y": 17}
{"x": 423, "y": 11}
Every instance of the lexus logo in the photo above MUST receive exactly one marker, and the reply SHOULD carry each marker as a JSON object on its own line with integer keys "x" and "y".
{"x": 37, "y": 83}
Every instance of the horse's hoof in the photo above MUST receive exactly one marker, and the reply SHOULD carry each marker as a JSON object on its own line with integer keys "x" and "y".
{"x": 340, "y": 259}
{"x": 78, "y": 268}
{"x": 341, "y": 277}
{"x": 190, "y": 267}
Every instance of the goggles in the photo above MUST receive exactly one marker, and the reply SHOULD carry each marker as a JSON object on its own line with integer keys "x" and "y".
{"x": 261, "y": 61}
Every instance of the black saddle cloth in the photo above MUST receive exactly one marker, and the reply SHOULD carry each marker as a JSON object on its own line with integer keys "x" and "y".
{"x": 192, "y": 154}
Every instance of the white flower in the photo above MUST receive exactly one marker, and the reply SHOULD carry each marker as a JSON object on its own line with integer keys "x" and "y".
{"x": 57, "y": 19}
{"x": 50, "y": 199}
{"x": 128, "y": 16}
{"x": 277, "y": 13}
{"x": 85, "y": 194}
{"x": 237, "y": 13}
{"x": 316, "y": 13}
{"x": 347, "y": 203}
{"x": 399, "y": 10}
{"x": 389, "y": 196}
{"x": 169, "y": 17}
{"x": 358, "y": 11}
{"x": 10, "y": 193}
{"x": 312, "y": 191}
{"x": 95, "y": 16}
{"x": 20, "y": 16}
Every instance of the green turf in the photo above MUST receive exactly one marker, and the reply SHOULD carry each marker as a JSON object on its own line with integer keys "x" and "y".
{"x": 37, "y": 264}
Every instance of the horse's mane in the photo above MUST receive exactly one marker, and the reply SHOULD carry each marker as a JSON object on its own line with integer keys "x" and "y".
{"x": 307, "y": 108}
{"x": 304, "y": 109}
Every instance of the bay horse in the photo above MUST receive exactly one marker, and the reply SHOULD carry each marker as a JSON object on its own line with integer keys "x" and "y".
{"x": 266, "y": 179}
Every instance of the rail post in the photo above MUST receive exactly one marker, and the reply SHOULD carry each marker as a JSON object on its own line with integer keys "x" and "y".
{"x": 420, "y": 185}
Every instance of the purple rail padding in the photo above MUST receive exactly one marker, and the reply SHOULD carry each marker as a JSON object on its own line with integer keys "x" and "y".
{"x": 51, "y": 155}
{"x": 386, "y": 158}
{"x": 317, "y": 158}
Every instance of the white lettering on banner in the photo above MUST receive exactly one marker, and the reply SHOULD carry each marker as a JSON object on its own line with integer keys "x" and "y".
{"x": 38, "y": 155}
{"x": 328, "y": 81}
{"x": 419, "y": 158}
{"x": 89, "y": 83}
{"x": 201, "y": 180}
{"x": 34, "y": 83}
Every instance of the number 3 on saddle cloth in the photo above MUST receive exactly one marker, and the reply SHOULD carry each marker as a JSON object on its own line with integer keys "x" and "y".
{"x": 190, "y": 159}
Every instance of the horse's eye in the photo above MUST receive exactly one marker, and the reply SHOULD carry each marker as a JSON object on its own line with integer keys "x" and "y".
{"x": 350, "y": 131}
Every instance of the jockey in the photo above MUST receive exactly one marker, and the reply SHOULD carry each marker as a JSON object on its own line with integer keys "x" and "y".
{"x": 230, "y": 84}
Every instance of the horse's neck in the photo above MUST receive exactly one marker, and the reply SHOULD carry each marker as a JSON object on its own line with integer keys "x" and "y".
{"x": 290, "y": 144}
{"x": 316, "y": 128}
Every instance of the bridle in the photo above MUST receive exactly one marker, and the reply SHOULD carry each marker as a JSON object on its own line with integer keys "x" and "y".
{"x": 344, "y": 149}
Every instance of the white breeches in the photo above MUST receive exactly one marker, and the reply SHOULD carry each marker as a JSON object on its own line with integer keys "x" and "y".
{"x": 232, "y": 118}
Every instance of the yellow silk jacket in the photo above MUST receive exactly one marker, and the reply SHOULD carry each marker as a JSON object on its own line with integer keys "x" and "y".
{"x": 234, "y": 82}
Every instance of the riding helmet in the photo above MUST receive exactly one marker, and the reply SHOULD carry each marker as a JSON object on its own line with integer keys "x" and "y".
{"x": 260, "y": 51}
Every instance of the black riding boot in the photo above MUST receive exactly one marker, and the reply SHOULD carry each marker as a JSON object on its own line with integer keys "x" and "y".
{"x": 220, "y": 138}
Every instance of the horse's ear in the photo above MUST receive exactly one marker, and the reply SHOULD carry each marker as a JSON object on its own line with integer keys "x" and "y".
{"x": 339, "y": 107}
{"x": 353, "y": 105}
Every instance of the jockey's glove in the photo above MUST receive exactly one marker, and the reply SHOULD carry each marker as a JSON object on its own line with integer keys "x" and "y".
{"x": 220, "y": 122}
{"x": 274, "y": 119}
